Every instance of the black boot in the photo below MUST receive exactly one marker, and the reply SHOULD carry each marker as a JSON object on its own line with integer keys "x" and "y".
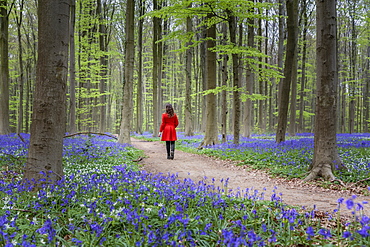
{"x": 172, "y": 154}
{"x": 168, "y": 145}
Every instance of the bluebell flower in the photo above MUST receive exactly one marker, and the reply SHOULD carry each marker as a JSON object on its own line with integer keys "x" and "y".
{"x": 310, "y": 232}
{"x": 325, "y": 233}
{"x": 48, "y": 229}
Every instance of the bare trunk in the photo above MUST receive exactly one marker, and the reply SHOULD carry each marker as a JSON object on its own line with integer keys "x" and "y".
{"x": 224, "y": 77}
{"x": 139, "y": 96}
{"x": 211, "y": 137}
{"x": 236, "y": 83}
{"x": 366, "y": 94}
{"x": 248, "y": 119}
{"x": 49, "y": 115}
{"x": 125, "y": 129}
{"x": 72, "y": 70}
{"x": 21, "y": 77}
{"x": 4, "y": 70}
{"x": 188, "y": 73}
{"x": 292, "y": 24}
{"x": 325, "y": 144}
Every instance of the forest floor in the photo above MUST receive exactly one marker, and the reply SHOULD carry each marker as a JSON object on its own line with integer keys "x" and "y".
{"x": 197, "y": 167}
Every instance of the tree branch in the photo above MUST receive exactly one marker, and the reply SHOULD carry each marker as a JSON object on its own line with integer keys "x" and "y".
{"x": 90, "y": 133}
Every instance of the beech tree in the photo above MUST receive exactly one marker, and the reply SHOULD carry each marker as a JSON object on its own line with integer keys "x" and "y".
{"x": 49, "y": 107}
{"x": 4, "y": 69}
{"x": 292, "y": 25}
{"x": 325, "y": 156}
{"x": 124, "y": 136}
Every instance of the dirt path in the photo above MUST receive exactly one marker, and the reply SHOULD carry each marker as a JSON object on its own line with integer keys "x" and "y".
{"x": 197, "y": 167}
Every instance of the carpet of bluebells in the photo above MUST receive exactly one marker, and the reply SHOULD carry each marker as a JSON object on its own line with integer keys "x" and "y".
{"x": 105, "y": 200}
{"x": 290, "y": 158}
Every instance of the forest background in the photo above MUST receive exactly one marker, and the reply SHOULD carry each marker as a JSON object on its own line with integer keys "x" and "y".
{"x": 169, "y": 45}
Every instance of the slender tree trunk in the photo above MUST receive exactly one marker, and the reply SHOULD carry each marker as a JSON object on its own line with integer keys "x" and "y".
{"x": 49, "y": 116}
{"x": 261, "y": 102}
{"x": 139, "y": 95}
{"x": 325, "y": 142}
{"x": 292, "y": 24}
{"x": 248, "y": 120}
{"x": 4, "y": 69}
{"x": 303, "y": 75}
{"x": 224, "y": 78}
{"x": 353, "y": 65}
{"x": 236, "y": 83}
{"x": 293, "y": 103}
{"x": 125, "y": 129}
{"x": 188, "y": 85}
{"x": 103, "y": 47}
{"x": 366, "y": 93}
{"x": 72, "y": 69}
{"x": 19, "y": 20}
{"x": 155, "y": 71}
{"x": 211, "y": 137}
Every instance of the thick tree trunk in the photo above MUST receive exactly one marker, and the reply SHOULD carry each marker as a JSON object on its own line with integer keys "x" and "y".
{"x": 292, "y": 25}
{"x": 325, "y": 150}
{"x": 4, "y": 69}
{"x": 124, "y": 136}
{"x": 211, "y": 137}
{"x": 49, "y": 115}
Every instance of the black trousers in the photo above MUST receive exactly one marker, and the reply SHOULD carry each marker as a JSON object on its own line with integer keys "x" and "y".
{"x": 170, "y": 146}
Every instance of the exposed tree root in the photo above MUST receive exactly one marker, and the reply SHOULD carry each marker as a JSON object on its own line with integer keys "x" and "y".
{"x": 321, "y": 170}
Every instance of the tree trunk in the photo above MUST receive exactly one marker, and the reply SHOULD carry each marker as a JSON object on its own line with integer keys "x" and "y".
{"x": 72, "y": 69}
{"x": 155, "y": 71}
{"x": 236, "y": 83}
{"x": 4, "y": 69}
{"x": 188, "y": 74}
{"x": 49, "y": 115}
{"x": 125, "y": 129}
{"x": 325, "y": 143}
{"x": 293, "y": 103}
{"x": 139, "y": 95}
{"x": 292, "y": 25}
{"x": 19, "y": 20}
{"x": 248, "y": 117}
{"x": 224, "y": 78}
{"x": 103, "y": 47}
{"x": 366, "y": 93}
{"x": 301, "y": 122}
{"x": 353, "y": 62}
{"x": 211, "y": 137}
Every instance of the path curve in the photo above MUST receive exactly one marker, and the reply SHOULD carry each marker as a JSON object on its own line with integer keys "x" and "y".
{"x": 197, "y": 167}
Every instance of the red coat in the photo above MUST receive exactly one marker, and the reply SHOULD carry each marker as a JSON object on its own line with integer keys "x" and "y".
{"x": 168, "y": 127}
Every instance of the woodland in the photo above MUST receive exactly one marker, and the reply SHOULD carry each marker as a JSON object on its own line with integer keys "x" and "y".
{"x": 168, "y": 48}
{"x": 258, "y": 82}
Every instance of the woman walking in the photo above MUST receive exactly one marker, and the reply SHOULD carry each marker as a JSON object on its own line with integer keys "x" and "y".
{"x": 168, "y": 130}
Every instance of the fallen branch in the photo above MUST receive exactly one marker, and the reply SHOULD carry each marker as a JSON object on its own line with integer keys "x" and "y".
{"x": 20, "y": 137}
{"x": 90, "y": 133}
{"x": 363, "y": 180}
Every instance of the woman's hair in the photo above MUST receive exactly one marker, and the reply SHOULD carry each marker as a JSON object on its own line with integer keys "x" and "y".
{"x": 169, "y": 110}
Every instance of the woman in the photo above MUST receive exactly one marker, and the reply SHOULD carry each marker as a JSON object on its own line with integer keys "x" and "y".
{"x": 168, "y": 130}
